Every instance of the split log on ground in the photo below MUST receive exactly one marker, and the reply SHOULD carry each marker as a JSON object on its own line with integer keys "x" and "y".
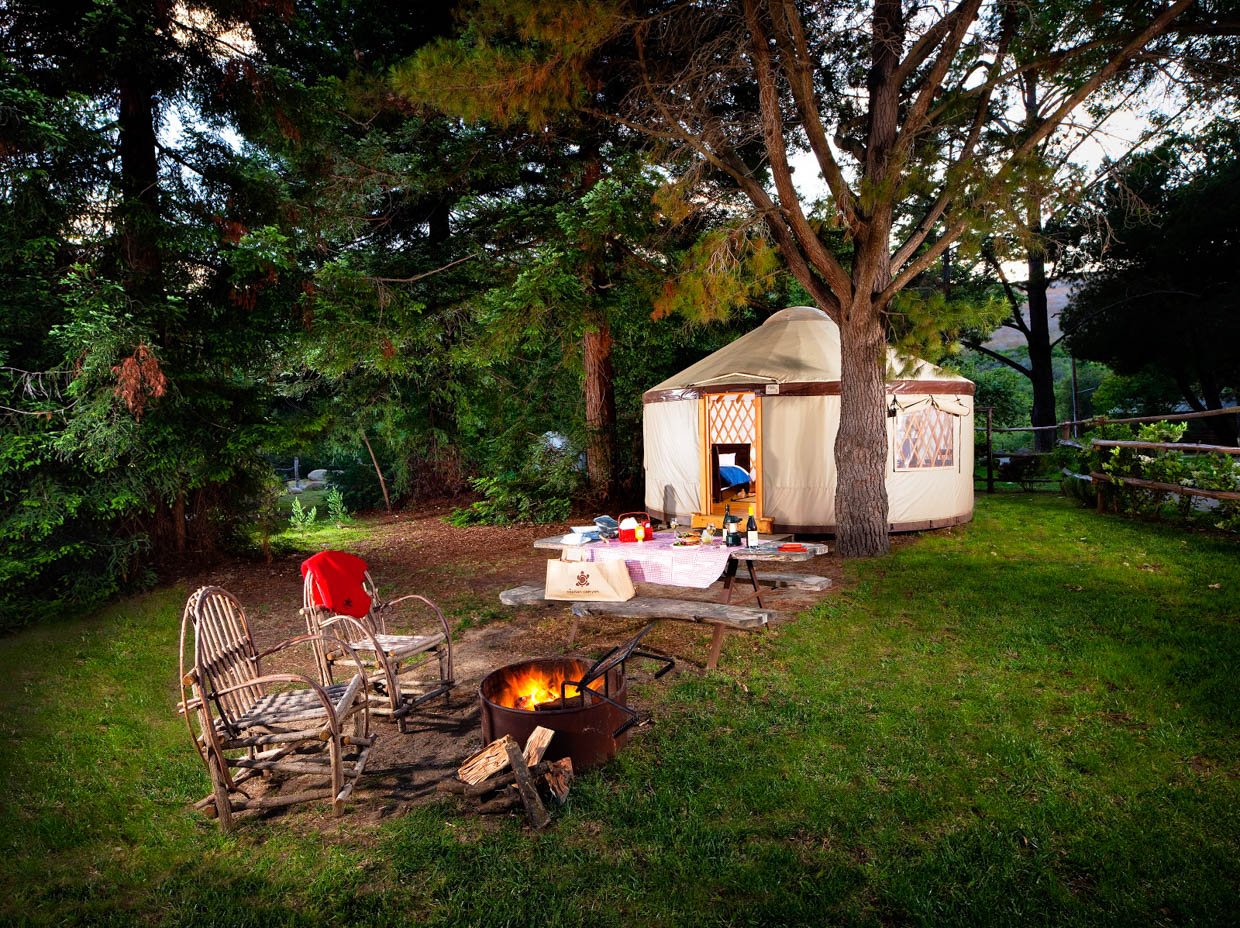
{"x": 536, "y": 745}
{"x": 680, "y": 610}
{"x": 490, "y": 760}
{"x": 795, "y": 581}
{"x": 499, "y": 781}
{"x": 510, "y": 800}
{"x": 535, "y": 811}
{"x": 559, "y": 778}
{"x": 528, "y": 595}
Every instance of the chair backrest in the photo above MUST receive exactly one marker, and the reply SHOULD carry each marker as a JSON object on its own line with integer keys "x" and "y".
{"x": 223, "y": 652}
{"x": 328, "y": 590}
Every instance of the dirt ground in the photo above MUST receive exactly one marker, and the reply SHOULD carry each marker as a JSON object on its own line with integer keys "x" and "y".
{"x": 464, "y": 570}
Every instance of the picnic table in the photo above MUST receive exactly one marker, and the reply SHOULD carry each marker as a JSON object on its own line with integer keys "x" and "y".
{"x": 661, "y": 561}
{"x": 698, "y": 566}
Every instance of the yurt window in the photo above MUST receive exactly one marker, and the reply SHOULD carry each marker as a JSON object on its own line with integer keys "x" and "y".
{"x": 925, "y": 438}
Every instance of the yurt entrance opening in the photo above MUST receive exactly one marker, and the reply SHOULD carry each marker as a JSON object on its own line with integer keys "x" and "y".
{"x": 731, "y": 459}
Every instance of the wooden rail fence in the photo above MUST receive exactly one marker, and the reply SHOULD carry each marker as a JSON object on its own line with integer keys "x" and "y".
{"x": 1065, "y": 430}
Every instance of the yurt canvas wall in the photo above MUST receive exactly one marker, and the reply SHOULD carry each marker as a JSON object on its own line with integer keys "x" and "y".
{"x": 788, "y": 371}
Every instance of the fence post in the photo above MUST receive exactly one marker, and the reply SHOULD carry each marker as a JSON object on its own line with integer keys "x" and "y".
{"x": 990, "y": 450}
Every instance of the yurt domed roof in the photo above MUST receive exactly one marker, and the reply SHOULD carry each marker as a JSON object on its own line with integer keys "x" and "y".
{"x": 800, "y": 344}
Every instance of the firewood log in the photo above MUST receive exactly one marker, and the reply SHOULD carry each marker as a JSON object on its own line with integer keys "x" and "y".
{"x": 560, "y": 778}
{"x": 490, "y": 760}
{"x": 535, "y": 812}
{"x": 536, "y": 745}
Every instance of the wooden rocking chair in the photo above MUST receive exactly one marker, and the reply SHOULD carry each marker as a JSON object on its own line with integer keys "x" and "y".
{"x": 245, "y": 725}
{"x": 389, "y": 661}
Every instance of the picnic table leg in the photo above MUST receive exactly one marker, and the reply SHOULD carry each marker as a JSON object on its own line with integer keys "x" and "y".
{"x": 753, "y": 578}
{"x": 729, "y": 577}
{"x": 716, "y": 645}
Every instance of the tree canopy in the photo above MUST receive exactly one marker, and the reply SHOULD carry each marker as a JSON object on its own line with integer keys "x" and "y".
{"x": 1165, "y": 297}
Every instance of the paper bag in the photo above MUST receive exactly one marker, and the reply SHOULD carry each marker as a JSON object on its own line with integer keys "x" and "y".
{"x": 589, "y": 581}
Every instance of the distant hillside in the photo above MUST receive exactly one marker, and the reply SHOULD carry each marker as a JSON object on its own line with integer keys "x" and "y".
{"x": 1057, "y": 296}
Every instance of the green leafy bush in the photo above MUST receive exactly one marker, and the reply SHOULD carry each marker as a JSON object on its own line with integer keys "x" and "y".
{"x": 1198, "y": 471}
{"x": 541, "y": 490}
{"x": 337, "y": 512}
{"x": 300, "y": 518}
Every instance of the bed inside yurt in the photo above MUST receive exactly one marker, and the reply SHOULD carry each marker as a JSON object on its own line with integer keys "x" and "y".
{"x": 755, "y": 423}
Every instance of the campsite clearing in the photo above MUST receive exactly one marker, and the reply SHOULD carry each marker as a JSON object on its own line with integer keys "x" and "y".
{"x": 1031, "y": 719}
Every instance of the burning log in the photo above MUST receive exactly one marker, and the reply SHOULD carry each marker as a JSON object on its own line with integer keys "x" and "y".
{"x": 572, "y": 702}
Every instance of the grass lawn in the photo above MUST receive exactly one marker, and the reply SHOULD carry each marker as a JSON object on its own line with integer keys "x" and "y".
{"x": 1029, "y": 720}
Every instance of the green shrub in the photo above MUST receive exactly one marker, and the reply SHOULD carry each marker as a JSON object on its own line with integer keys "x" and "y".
{"x": 1198, "y": 471}
{"x": 541, "y": 490}
{"x": 301, "y": 519}
{"x": 337, "y": 512}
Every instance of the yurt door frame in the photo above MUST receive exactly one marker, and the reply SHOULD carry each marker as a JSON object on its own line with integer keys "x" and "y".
{"x": 729, "y": 419}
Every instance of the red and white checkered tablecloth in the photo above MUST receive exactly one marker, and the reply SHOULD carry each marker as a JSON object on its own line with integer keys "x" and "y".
{"x": 657, "y": 561}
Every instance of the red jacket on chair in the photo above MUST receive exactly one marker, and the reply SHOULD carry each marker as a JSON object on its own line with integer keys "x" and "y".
{"x": 338, "y": 582}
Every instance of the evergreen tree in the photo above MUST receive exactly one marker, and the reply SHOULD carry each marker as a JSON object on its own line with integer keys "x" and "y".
{"x": 1165, "y": 297}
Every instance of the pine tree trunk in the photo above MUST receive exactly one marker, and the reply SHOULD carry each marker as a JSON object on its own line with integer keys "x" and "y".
{"x": 861, "y": 443}
{"x": 600, "y": 408}
{"x": 596, "y": 345}
{"x": 139, "y": 184}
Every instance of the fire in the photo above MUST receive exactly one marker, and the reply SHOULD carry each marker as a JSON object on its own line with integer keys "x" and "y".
{"x": 530, "y": 687}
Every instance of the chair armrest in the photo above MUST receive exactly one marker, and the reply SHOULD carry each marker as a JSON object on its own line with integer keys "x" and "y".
{"x": 288, "y": 643}
{"x": 443, "y": 621}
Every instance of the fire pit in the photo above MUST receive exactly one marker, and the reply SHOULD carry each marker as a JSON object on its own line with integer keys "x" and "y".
{"x": 584, "y": 704}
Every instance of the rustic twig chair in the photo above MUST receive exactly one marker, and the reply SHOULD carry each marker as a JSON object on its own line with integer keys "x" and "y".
{"x": 390, "y": 661}
{"x": 247, "y": 728}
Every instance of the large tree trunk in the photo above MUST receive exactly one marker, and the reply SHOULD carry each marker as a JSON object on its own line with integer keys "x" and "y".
{"x": 139, "y": 184}
{"x": 596, "y": 344}
{"x": 861, "y": 443}
{"x": 1041, "y": 365}
{"x": 600, "y": 407}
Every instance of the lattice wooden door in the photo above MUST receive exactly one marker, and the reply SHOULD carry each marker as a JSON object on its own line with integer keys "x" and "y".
{"x": 925, "y": 438}
{"x": 733, "y": 418}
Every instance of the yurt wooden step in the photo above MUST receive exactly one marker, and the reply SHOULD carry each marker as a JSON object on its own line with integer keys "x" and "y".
{"x": 701, "y": 520}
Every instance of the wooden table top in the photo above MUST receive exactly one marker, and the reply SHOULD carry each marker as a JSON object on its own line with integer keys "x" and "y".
{"x": 743, "y": 553}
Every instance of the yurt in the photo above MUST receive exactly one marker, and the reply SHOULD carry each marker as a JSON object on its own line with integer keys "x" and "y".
{"x": 755, "y": 423}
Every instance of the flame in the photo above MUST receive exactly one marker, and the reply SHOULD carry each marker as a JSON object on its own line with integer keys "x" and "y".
{"x": 528, "y": 687}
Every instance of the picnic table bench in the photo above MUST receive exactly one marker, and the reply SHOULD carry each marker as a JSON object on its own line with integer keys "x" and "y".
{"x": 723, "y": 617}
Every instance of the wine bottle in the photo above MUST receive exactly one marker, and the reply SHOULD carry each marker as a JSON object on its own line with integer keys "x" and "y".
{"x": 751, "y": 528}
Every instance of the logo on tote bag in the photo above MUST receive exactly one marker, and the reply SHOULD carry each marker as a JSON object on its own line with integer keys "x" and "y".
{"x": 583, "y": 579}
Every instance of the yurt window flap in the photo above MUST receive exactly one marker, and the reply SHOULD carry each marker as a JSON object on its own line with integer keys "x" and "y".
{"x": 924, "y": 438}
